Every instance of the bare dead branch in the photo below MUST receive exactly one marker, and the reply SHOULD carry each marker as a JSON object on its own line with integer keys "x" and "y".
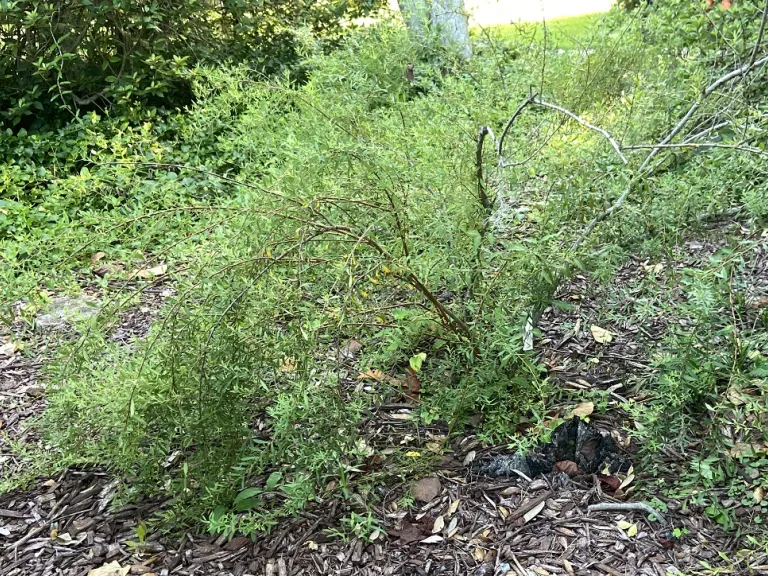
{"x": 534, "y": 99}
{"x": 482, "y": 189}
{"x": 742, "y": 71}
{"x": 759, "y": 40}
{"x": 584, "y": 123}
{"x": 706, "y": 131}
{"x": 508, "y": 127}
{"x": 627, "y": 507}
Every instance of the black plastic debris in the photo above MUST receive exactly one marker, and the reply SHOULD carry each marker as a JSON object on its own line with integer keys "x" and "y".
{"x": 573, "y": 441}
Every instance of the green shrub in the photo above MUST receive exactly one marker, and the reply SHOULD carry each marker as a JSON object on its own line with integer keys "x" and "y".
{"x": 357, "y": 216}
{"x": 73, "y": 54}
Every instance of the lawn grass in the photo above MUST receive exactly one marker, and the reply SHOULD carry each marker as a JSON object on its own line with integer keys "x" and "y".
{"x": 564, "y": 33}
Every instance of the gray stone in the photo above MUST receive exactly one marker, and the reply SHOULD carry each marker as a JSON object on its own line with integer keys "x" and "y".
{"x": 65, "y": 311}
{"x": 426, "y": 489}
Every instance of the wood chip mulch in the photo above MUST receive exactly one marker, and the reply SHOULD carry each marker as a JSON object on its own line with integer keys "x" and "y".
{"x": 72, "y": 525}
{"x": 66, "y": 526}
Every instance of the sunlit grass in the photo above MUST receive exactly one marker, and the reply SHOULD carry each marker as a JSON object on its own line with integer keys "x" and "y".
{"x": 561, "y": 32}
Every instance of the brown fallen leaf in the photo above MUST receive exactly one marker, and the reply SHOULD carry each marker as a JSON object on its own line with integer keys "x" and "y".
{"x": 9, "y": 348}
{"x": 568, "y": 467}
{"x": 408, "y": 533}
{"x": 413, "y": 385}
{"x": 611, "y": 482}
{"x": 478, "y": 554}
{"x": 376, "y": 375}
{"x": 426, "y": 523}
{"x": 373, "y": 462}
{"x": 95, "y": 258}
{"x": 237, "y": 543}
{"x": 288, "y": 365}
{"x": 761, "y": 302}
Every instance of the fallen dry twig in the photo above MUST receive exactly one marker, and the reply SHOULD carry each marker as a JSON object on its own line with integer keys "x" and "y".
{"x": 627, "y": 507}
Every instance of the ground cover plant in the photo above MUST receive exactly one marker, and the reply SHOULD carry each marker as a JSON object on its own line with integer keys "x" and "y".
{"x": 391, "y": 232}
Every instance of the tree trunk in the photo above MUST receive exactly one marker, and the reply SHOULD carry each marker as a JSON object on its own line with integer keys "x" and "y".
{"x": 416, "y": 17}
{"x": 450, "y": 22}
{"x": 445, "y": 18}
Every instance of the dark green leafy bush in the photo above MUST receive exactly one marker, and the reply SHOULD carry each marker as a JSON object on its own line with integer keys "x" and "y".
{"x": 74, "y": 54}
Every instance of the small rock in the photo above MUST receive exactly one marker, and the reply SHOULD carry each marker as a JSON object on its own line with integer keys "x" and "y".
{"x": 351, "y": 349}
{"x": 35, "y": 391}
{"x": 65, "y": 311}
{"x": 426, "y": 489}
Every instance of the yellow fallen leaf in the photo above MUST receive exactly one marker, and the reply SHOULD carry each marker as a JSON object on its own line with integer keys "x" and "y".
{"x": 413, "y": 454}
{"x": 288, "y": 365}
{"x": 743, "y": 449}
{"x": 582, "y": 410}
{"x": 758, "y": 494}
{"x": 9, "y": 348}
{"x": 632, "y": 530}
{"x": 438, "y": 525}
{"x": 453, "y": 507}
{"x": 155, "y": 271}
{"x": 601, "y": 335}
{"x": 627, "y": 481}
{"x": 111, "y": 569}
{"x": 436, "y": 447}
{"x": 376, "y": 375}
{"x": 623, "y": 524}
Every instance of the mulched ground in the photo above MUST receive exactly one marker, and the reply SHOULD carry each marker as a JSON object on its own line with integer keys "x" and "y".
{"x": 68, "y": 525}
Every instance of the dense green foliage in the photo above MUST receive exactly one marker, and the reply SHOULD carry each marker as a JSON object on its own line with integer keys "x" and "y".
{"x": 74, "y": 54}
{"x": 295, "y": 218}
